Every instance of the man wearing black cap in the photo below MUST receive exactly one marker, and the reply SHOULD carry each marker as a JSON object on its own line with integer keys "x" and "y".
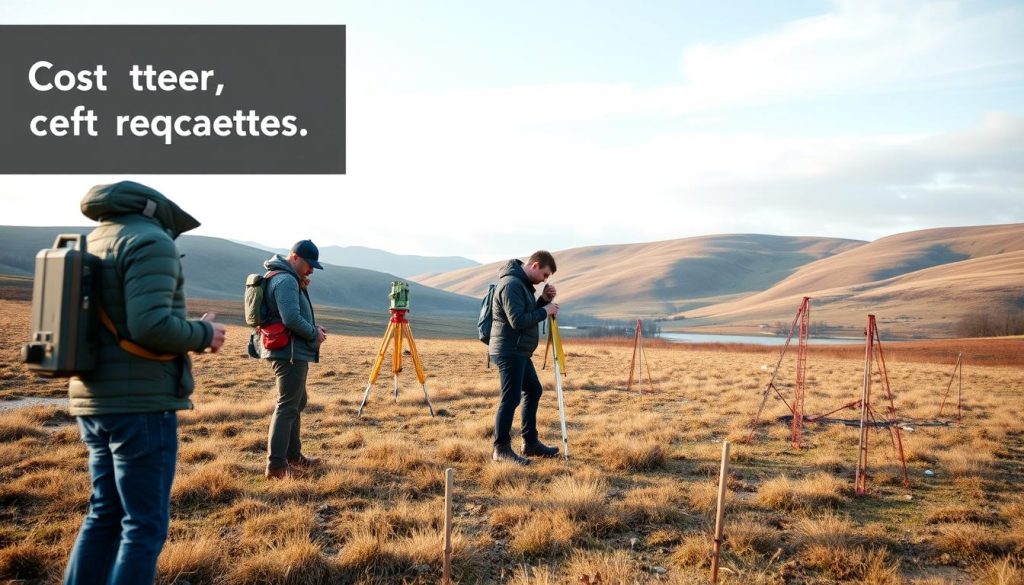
{"x": 287, "y": 302}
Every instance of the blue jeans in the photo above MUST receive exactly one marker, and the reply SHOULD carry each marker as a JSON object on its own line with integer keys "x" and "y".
{"x": 518, "y": 378}
{"x": 131, "y": 460}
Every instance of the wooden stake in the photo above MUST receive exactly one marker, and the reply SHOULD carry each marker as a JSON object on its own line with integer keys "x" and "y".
{"x": 449, "y": 479}
{"x": 721, "y": 511}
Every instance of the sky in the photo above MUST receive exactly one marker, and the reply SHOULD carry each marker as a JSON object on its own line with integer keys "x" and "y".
{"x": 488, "y": 130}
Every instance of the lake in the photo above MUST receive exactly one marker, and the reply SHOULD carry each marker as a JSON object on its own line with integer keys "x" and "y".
{"x": 756, "y": 339}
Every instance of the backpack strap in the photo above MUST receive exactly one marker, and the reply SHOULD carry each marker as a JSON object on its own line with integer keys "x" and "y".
{"x": 266, "y": 278}
{"x": 130, "y": 346}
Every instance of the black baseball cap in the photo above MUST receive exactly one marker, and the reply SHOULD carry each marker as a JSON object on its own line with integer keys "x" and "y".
{"x": 308, "y": 251}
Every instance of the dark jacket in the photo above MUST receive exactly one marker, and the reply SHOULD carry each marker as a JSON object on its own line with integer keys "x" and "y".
{"x": 288, "y": 303}
{"x": 141, "y": 287}
{"x": 516, "y": 313}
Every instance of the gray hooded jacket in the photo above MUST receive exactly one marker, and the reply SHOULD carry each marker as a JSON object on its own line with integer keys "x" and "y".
{"x": 289, "y": 304}
{"x": 516, "y": 313}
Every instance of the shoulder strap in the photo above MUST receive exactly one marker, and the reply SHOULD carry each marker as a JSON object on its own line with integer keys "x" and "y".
{"x": 272, "y": 273}
{"x": 499, "y": 315}
{"x": 130, "y": 346}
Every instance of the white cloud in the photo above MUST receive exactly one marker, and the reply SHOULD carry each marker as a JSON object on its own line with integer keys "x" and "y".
{"x": 863, "y": 47}
{"x": 489, "y": 173}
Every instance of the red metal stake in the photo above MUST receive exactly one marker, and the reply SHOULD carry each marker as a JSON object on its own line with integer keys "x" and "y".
{"x": 957, "y": 367}
{"x": 797, "y": 431}
{"x": 803, "y": 318}
{"x": 632, "y": 363}
{"x": 873, "y": 353}
{"x": 894, "y": 428}
{"x": 860, "y": 478}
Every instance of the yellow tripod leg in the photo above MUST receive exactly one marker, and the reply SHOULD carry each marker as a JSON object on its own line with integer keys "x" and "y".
{"x": 420, "y": 375}
{"x": 377, "y": 363}
{"x": 396, "y": 359}
{"x": 547, "y": 346}
{"x": 556, "y": 342}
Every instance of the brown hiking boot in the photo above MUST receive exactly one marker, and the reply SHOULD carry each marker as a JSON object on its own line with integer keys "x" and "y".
{"x": 305, "y": 462}
{"x": 282, "y": 473}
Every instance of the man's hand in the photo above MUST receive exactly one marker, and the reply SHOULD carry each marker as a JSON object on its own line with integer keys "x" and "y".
{"x": 552, "y": 309}
{"x": 219, "y": 331}
{"x": 549, "y": 292}
{"x": 321, "y": 334}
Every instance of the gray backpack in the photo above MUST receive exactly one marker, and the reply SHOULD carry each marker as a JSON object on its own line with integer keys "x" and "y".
{"x": 483, "y": 324}
{"x": 255, "y": 289}
{"x": 65, "y": 315}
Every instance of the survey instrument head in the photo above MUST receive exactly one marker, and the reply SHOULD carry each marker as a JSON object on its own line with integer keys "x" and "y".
{"x": 399, "y": 295}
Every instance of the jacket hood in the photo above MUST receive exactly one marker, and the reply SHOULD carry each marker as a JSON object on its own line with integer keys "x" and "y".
{"x": 128, "y": 197}
{"x": 280, "y": 262}
{"x": 514, "y": 268}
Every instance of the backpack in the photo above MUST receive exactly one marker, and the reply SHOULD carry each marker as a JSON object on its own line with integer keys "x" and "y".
{"x": 255, "y": 289}
{"x": 483, "y": 324}
{"x": 67, "y": 313}
{"x": 65, "y": 321}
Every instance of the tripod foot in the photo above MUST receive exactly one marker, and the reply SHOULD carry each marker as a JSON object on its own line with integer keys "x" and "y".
{"x": 426, "y": 397}
{"x": 366, "y": 395}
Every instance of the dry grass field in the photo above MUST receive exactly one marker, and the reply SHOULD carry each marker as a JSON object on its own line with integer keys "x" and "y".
{"x": 635, "y": 505}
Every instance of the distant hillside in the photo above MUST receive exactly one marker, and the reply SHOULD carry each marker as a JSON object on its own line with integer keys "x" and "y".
{"x": 216, "y": 269}
{"x": 917, "y": 283}
{"x": 921, "y": 283}
{"x": 404, "y": 265}
{"x": 657, "y": 279}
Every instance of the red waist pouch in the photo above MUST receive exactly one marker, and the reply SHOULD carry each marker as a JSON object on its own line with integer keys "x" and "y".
{"x": 275, "y": 336}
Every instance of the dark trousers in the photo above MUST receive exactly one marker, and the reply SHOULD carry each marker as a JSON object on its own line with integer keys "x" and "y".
{"x": 518, "y": 378}
{"x": 284, "y": 442}
{"x": 131, "y": 461}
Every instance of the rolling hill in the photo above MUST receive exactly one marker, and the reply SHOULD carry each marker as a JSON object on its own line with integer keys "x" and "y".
{"x": 658, "y": 279}
{"x": 404, "y": 265}
{"x": 216, "y": 268}
{"x": 920, "y": 283}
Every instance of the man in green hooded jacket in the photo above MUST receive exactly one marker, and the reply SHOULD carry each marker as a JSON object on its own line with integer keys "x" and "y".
{"x": 127, "y": 406}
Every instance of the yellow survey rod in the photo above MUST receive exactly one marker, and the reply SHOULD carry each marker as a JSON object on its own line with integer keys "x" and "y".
{"x": 559, "y": 358}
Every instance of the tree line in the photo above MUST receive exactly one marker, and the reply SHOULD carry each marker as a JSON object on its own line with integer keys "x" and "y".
{"x": 591, "y": 326}
{"x": 990, "y": 324}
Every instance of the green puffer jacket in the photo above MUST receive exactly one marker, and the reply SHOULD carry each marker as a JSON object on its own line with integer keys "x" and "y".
{"x": 142, "y": 290}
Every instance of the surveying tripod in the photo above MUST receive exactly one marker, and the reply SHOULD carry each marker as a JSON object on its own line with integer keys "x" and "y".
{"x": 398, "y": 327}
{"x": 638, "y": 350}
